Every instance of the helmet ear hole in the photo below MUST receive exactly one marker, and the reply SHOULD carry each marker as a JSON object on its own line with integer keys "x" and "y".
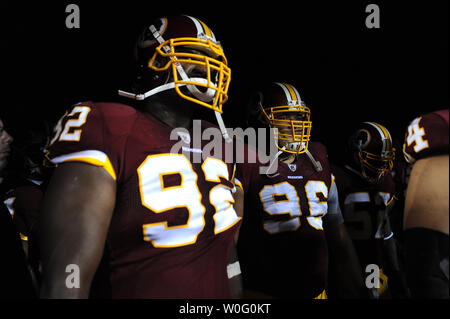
{"x": 359, "y": 140}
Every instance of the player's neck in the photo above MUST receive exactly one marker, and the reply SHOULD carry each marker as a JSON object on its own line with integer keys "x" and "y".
{"x": 288, "y": 158}
{"x": 170, "y": 113}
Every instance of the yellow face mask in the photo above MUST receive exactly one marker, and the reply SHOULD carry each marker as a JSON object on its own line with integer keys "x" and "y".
{"x": 376, "y": 167}
{"x": 209, "y": 87}
{"x": 292, "y": 127}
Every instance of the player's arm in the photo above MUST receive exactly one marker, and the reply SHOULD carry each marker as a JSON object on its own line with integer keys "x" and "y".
{"x": 233, "y": 267}
{"x": 426, "y": 203}
{"x": 397, "y": 281}
{"x": 76, "y": 213}
{"x": 344, "y": 263}
{"x": 426, "y": 224}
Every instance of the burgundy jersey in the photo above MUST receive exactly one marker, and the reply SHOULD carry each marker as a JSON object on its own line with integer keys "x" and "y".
{"x": 426, "y": 135}
{"x": 282, "y": 246}
{"x": 173, "y": 222}
{"x": 365, "y": 211}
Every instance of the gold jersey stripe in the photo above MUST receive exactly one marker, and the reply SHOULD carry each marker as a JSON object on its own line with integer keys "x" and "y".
{"x": 106, "y": 165}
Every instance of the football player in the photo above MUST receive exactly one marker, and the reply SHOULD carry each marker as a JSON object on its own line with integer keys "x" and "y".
{"x": 26, "y": 190}
{"x": 426, "y": 206}
{"x": 15, "y": 278}
{"x": 367, "y": 194}
{"x": 131, "y": 208}
{"x": 291, "y": 215}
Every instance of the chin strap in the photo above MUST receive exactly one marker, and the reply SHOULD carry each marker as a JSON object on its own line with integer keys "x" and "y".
{"x": 353, "y": 170}
{"x": 154, "y": 91}
{"x": 225, "y": 135}
{"x": 141, "y": 97}
{"x": 272, "y": 162}
{"x": 316, "y": 164}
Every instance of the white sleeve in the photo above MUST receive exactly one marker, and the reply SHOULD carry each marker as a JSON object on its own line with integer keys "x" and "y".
{"x": 334, "y": 214}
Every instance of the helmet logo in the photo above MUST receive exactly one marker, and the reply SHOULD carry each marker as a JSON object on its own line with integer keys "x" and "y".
{"x": 362, "y": 139}
{"x": 147, "y": 37}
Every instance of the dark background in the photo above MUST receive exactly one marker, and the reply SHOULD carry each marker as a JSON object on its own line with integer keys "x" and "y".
{"x": 345, "y": 72}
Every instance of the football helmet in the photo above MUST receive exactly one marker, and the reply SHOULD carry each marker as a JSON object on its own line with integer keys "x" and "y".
{"x": 182, "y": 53}
{"x": 280, "y": 106}
{"x": 373, "y": 152}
